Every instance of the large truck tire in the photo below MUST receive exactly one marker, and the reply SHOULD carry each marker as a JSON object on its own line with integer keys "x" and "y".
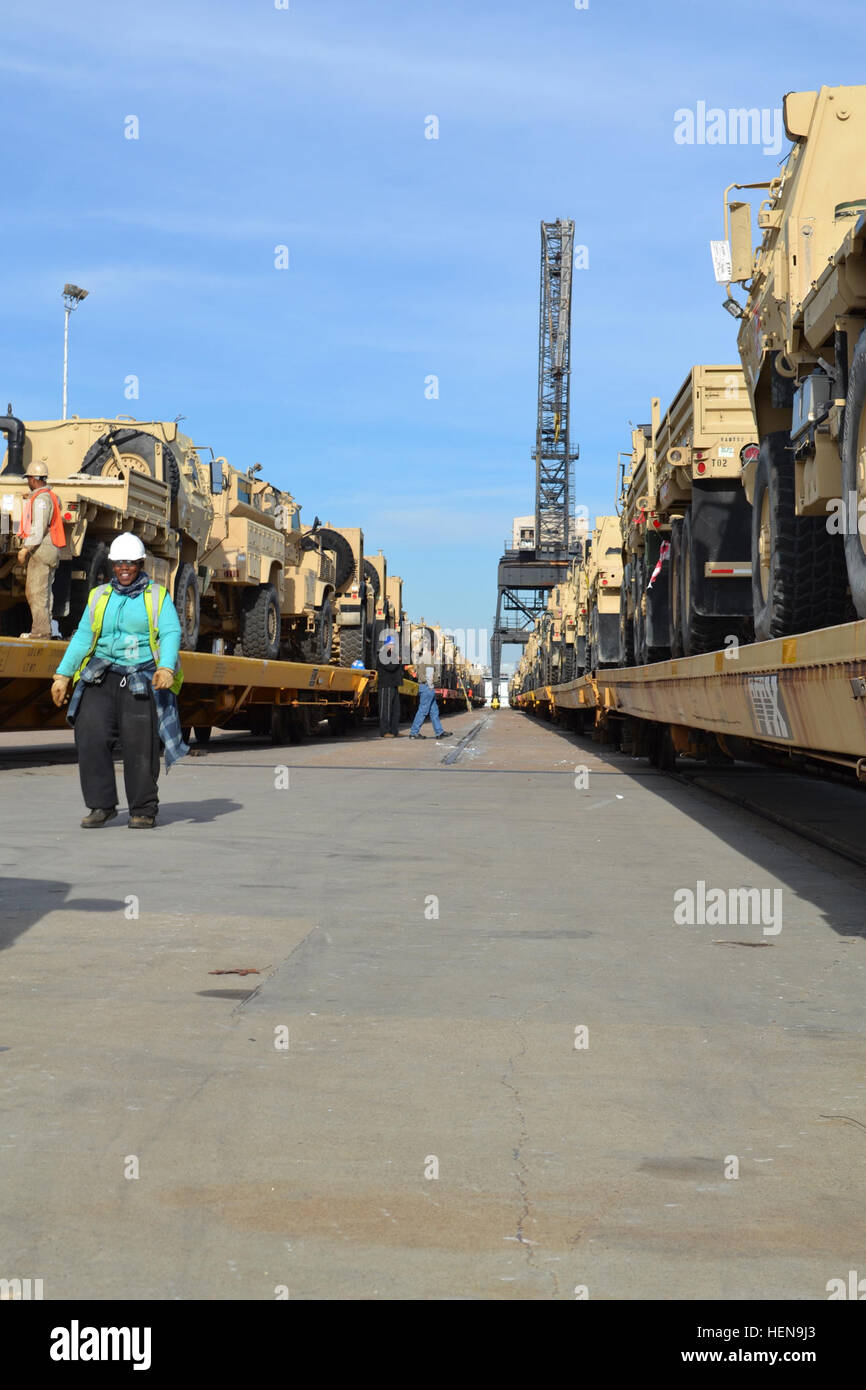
{"x": 281, "y": 725}
{"x": 853, "y": 450}
{"x": 352, "y": 644}
{"x": 374, "y": 635}
{"x": 798, "y": 567}
{"x": 100, "y": 460}
{"x": 371, "y": 574}
{"x": 316, "y": 648}
{"x": 187, "y": 601}
{"x": 260, "y": 623}
{"x": 345, "y": 558}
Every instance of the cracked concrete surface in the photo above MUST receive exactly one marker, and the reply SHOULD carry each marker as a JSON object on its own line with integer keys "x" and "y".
{"x": 413, "y": 1035}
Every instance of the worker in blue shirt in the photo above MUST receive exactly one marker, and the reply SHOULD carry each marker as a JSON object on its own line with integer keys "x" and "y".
{"x": 122, "y": 660}
{"x": 427, "y": 704}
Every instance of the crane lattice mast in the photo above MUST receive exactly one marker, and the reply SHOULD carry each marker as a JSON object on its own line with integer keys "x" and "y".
{"x": 553, "y": 457}
{"x": 527, "y": 573}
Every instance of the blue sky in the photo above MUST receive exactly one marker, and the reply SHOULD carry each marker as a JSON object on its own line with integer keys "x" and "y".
{"x": 305, "y": 127}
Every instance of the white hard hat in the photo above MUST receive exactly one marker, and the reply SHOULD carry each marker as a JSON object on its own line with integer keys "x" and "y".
{"x": 126, "y": 547}
{"x": 37, "y": 469}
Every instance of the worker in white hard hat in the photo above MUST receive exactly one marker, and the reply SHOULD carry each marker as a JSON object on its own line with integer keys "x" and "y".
{"x": 42, "y": 539}
{"x": 123, "y": 665}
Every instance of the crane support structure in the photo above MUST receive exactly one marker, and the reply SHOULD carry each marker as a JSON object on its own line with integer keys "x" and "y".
{"x": 526, "y": 574}
{"x": 553, "y": 456}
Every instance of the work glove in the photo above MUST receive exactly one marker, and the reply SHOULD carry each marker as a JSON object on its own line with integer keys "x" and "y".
{"x": 22, "y": 557}
{"x": 59, "y": 690}
{"x": 163, "y": 678}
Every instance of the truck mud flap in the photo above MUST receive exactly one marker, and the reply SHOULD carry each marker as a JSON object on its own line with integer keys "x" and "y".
{"x": 608, "y": 639}
{"x": 658, "y": 609}
{"x": 721, "y": 530}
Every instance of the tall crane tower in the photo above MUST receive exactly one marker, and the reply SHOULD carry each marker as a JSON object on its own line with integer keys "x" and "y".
{"x": 553, "y": 456}
{"x": 530, "y": 567}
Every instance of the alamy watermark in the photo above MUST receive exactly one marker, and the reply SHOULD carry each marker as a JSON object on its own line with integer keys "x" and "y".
{"x": 737, "y": 126}
{"x": 846, "y": 516}
{"x": 15, "y": 1290}
{"x": 732, "y": 907}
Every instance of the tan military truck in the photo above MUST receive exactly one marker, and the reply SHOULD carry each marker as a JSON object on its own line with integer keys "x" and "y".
{"x": 227, "y": 545}
{"x": 428, "y": 649}
{"x": 555, "y": 633}
{"x": 603, "y": 578}
{"x": 378, "y": 606}
{"x": 686, "y": 520}
{"x": 571, "y": 656}
{"x": 803, "y": 348}
{"x": 555, "y": 636}
{"x": 519, "y": 683}
{"x": 532, "y": 662}
{"x": 354, "y": 608}
{"x": 97, "y": 502}
{"x": 581, "y": 622}
{"x": 470, "y": 681}
{"x": 432, "y": 646}
{"x": 450, "y": 658}
{"x": 264, "y": 581}
{"x": 394, "y": 596}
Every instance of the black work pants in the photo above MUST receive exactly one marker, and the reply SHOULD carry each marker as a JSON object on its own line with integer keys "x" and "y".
{"x": 389, "y": 709}
{"x": 108, "y": 712}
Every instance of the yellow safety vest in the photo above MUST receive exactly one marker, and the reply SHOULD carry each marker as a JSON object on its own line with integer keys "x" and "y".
{"x": 97, "y": 603}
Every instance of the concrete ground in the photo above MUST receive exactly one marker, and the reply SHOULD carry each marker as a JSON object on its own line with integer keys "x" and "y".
{"x": 480, "y": 1058}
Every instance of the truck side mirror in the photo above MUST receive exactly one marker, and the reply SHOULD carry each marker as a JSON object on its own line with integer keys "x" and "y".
{"x": 216, "y": 476}
{"x": 741, "y": 242}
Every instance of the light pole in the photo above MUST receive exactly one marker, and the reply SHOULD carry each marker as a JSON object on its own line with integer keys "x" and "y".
{"x": 72, "y": 297}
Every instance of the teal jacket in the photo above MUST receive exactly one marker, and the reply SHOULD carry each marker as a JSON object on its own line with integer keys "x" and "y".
{"x": 124, "y": 637}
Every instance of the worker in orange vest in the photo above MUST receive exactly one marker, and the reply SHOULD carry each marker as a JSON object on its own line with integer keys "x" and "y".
{"x": 42, "y": 539}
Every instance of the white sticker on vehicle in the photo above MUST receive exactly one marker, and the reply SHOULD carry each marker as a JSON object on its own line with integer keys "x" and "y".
{"x": 722, "y": 268}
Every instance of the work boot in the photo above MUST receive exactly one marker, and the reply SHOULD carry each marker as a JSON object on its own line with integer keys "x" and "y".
{"x": 142, "y": 822}
{"x": 443, "y": 735}
{"x": 99, "y": 817}
{"x": 417, "y": 735}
